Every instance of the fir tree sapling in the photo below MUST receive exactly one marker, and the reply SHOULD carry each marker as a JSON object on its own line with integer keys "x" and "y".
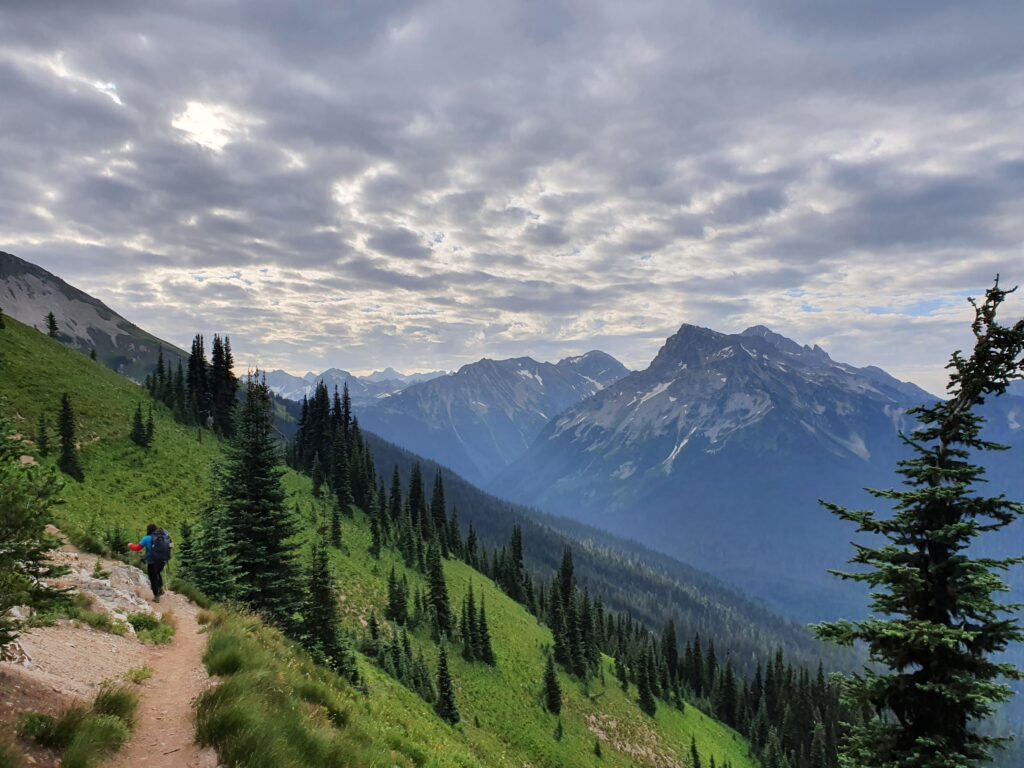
{"x": 552, "y": 690}
{"x": 51, "y": 325}
{"x": 937, "y": 626}
{"x": 138, "y": 434}
{"x": 68, "y": 461}
{"x": 446, "y": 707}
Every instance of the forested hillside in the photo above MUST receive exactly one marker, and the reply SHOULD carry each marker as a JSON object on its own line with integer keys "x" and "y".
{"x": 125, "y": 485}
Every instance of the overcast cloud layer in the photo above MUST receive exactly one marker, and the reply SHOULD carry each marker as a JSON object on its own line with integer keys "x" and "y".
{"x": 420, "y": 184}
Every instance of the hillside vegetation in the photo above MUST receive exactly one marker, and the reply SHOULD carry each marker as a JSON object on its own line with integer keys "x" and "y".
{"x": 503, "y": 721}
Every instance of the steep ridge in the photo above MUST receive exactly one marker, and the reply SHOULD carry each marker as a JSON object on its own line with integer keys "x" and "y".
{"x": 29, "y": 292}
{"x": 480, "y": 418}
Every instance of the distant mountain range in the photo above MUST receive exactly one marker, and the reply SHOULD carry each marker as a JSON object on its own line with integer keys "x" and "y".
{"x": 716, "y": 453}
{"x": 362, "y": 389}
{"x": 29, "y": 292}
{"x": 719, "y": 451}
{"x": 482, "y": 417}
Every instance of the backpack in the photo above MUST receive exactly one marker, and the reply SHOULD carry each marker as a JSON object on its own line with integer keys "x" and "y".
{"x": 160, "y": 549}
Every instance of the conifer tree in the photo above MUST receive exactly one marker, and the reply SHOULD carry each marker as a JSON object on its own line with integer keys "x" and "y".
{"x": 398, "y": 600}
{"x": 439, "y": 514}
{"x": 2, "y": 325}
{"x": 138, "y": 434}
{"x": 92, "y": 354}
{"x": 468, "y": 626}
{"x": 51, "y": 325}
{"x": 197, "y": 381}
{"x": 597, "y": 748}
{"x": 213, "y": 566}
{"x": 418, "y": 503}
{"x": 259, "y": 522}
{"x": 645, "y": 696}
{"x": 439, "y": 593}
{"x": 68, "y": 461}
{"x": 43, "y": 437}
{"x": 185, "y": 555}
{"x": 694, "y": 754}
{"x": 552, "y": 690}
{"x": 30, "y": 493}
{"x": 516, "y": 572}
{"x": 483, "y": 639}
{"x": 445, "y": 707}
{"x": 321, "y": 623}
{"x": 937, "y": 626}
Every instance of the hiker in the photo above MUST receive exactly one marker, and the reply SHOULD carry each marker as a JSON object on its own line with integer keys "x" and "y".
{"x": 157, "y": 544}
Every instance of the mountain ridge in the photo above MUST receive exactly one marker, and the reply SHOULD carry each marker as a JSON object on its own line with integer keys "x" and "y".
{"x": 481, "y": 417}
{"x": 701, "y": 456}
{"x": 28, "y": 292}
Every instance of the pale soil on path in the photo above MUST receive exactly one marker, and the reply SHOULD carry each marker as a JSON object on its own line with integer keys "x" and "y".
{"x": 163, "y": 737}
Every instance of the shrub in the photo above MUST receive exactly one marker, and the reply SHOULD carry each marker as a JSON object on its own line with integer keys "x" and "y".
{"x": 98, "y": 737}
{"x": 53, "y": 732}
{"x": 152, "y": 630}
{"x": 118, "y": 701}
{"x": 139, "y": 675}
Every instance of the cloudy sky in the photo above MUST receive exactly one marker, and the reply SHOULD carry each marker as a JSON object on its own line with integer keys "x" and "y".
{"x": 365, "y": 183}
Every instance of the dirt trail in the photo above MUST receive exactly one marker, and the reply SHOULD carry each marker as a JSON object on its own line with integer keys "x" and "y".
{"x": 163, "y": 735}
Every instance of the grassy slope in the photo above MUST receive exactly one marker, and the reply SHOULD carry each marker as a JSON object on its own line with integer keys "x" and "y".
{"x": 126, "y": 485}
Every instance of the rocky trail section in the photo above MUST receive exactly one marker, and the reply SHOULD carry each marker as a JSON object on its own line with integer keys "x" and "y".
{"x": 51, "y": 667}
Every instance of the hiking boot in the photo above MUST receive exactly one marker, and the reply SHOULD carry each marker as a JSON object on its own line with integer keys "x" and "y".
{"x": 156, "y": 598}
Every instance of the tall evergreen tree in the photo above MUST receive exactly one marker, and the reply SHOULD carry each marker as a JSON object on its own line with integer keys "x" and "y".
{"x": 150, "y": 428}
{"x": 259, "y": 521}
{"x": 395, "y": 497}
{"x": 2, "y": 325}
{"x": 552, "y": 690}
{"x": 446, "y": 707}
{"x": 138, "y": 434}
{"x": 439, "y": 593}
{"x": 321, "y": 622}
{"x": 197, "y": 381}
{"x": 398, "y": 600}
{"x": 212, "y": 566}
{"x": 485, "y": 649}
{"x": 645, "y": 695}
{"x": 51, "y": 325}
{"x": 68, "y": 460}
{"x": 694, "y": 754}
{"x": 937, "y": 647}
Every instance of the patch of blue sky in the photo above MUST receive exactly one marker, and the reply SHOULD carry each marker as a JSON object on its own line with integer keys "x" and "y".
{"x": 922, "y": 308}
